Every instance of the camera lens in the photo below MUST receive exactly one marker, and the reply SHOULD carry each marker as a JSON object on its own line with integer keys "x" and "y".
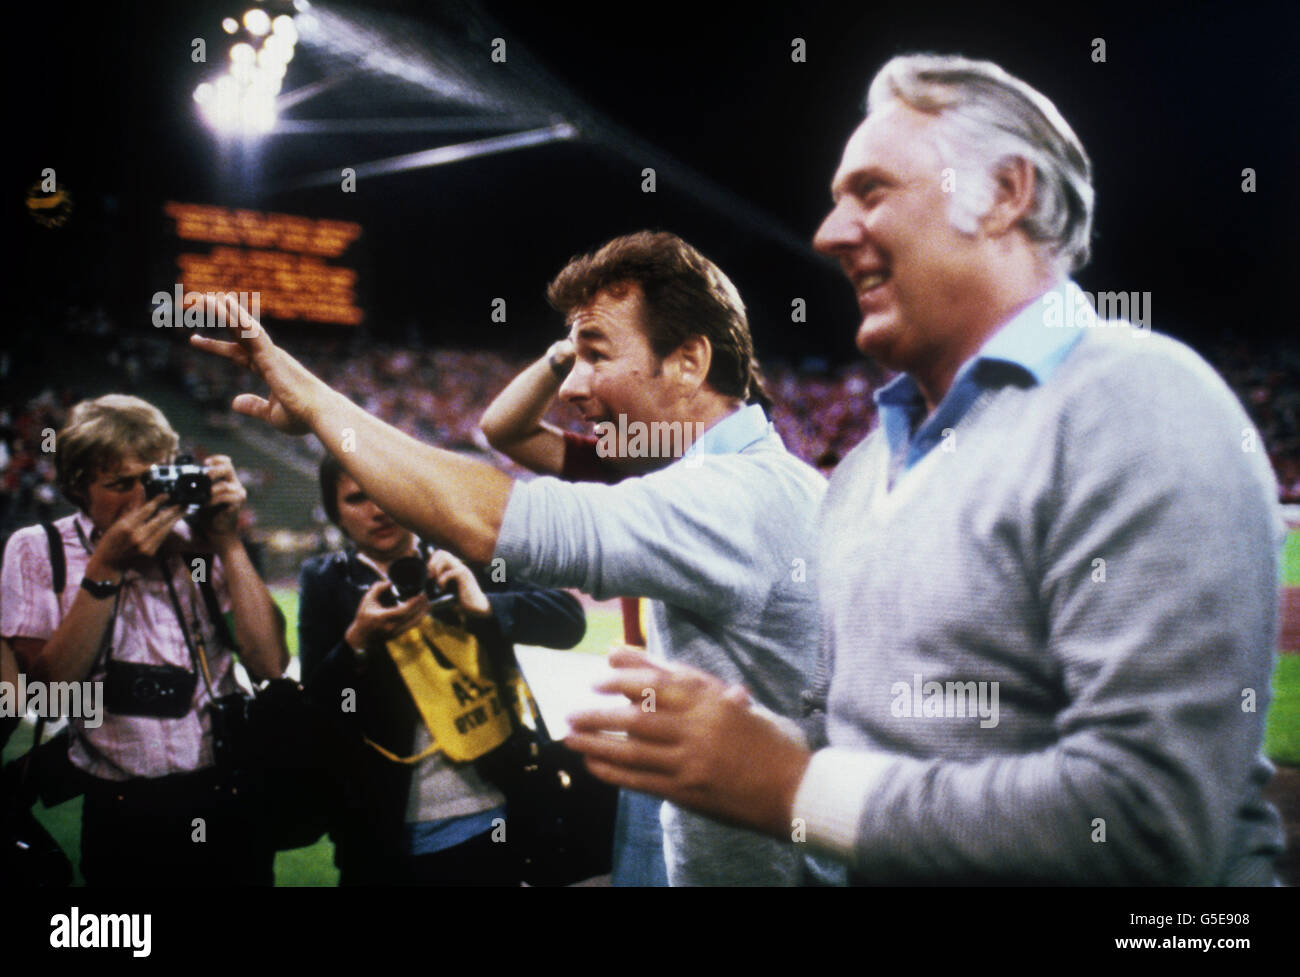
{"x": 408, "y": 575}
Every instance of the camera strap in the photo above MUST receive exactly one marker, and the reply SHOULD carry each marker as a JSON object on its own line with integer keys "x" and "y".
{"x": 58, "y": 562}
{"x": 59, "y": 578}
{"x": 200, "y": 660}
{"x": 213, "y": 605}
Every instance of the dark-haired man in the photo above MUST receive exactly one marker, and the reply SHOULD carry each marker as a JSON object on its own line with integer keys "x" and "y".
{"x": 719, "y": 541}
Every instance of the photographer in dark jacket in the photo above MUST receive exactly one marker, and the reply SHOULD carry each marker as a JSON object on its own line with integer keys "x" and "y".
{"x": 431, "y": 821}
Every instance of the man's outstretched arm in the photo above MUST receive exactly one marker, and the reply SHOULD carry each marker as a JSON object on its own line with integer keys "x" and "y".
{"x": 437, "y": 494}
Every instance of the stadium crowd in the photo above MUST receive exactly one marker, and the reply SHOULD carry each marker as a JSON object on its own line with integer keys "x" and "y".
{"x": 439, "y": 395}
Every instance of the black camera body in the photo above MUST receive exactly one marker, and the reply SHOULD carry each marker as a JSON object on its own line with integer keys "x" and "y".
{"x": 156, "y": 691}
{"x": 184, "y": 483}
{"x": 410, "y": 577}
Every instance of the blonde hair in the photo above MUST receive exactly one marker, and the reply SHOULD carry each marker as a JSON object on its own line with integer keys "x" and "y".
{"x": 101, "y": 432}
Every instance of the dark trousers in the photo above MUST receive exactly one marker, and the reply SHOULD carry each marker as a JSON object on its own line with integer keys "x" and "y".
{"x": 182, "y": 830}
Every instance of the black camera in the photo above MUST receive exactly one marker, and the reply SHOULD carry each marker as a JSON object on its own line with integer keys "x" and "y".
{"x": 410, "y": 577}
{"x": 184, "y": 483}
{"x": 157, "y": 691}
{"x": 229, "y": 715}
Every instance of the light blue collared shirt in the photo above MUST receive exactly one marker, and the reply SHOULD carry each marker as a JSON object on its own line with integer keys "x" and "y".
{"x": 1025, "y": 348}
{"x": 733, "y": 434}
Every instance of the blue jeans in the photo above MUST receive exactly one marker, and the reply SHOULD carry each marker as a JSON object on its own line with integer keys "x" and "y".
{"x": 638, "y": 842}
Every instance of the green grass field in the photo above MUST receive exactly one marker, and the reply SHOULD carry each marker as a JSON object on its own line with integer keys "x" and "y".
{"x": 315, "y": 865}
{"x": 1282, "y": 732}
{"x": 1291, "y": 560}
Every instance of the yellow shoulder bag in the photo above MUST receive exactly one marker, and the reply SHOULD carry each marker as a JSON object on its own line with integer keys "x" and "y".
{"x": 461, "y": 706}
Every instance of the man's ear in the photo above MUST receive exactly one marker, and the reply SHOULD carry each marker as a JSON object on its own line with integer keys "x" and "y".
{"x": 691, "y": 360}
{"x": 1014, "y": 181}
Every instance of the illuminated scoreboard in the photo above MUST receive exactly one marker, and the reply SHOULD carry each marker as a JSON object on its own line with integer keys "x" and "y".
{"x": 291, "y": 262}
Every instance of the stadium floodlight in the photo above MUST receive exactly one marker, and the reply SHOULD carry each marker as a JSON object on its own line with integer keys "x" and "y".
{"x": 301, "y": 5}
{"x": 264, "y": 83}
{"x": 249, "y": 114}
{"x": 244, "y": 99}
{"x": 276, "y": 48}
{"x": 283, "y": 26}
{"x": 257, "y": 22}
{"x": 222, "y": 110}
{"x": 270, "y": 66}
{"x": 242, "y": 102}
{"x": 258, "y": 112}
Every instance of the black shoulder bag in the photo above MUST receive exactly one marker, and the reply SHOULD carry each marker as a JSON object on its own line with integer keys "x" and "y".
{"x": 30, "y": 855}
{"x": 274, "y": 745}
{"x": 560, "y": 817}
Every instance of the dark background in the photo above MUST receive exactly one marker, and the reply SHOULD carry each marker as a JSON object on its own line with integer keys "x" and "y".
{"x": 744, "y": 142}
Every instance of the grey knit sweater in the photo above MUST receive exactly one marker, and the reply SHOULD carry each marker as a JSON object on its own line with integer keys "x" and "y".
{"x": 1101, "y": 551}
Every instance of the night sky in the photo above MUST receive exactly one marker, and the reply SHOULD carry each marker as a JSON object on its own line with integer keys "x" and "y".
{"x": 744, "y": 142}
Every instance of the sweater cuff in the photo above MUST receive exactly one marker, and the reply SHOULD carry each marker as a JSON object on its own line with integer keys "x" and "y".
{"x": 832, "y": 796}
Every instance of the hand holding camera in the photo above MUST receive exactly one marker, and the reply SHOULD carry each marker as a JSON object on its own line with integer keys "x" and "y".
{"x": 456, "y": 579}
{"x": 376, "y": 621}
{"x": 413, "y": 589}
{"x": 410, "y": 576}
{"x": 213, "y": 493}
{"x": 134, "y": 538}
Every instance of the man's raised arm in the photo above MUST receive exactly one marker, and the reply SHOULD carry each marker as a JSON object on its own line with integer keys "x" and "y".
{"x": 435, "y": 493}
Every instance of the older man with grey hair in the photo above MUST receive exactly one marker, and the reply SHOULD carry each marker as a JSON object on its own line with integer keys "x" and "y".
{"x": 1048, "y": 632}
